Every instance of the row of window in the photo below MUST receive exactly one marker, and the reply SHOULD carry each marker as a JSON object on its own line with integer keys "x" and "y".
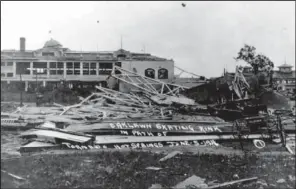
{"x": 285, "y": 81}
{"x": 6, "y": 63}
{"x": 72, "y": 68}
{"x": 7, "y": 75}
{"x": 162, "y": 73}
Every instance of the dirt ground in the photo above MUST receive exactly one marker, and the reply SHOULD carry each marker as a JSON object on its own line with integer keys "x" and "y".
{"x": 128, "y": 170}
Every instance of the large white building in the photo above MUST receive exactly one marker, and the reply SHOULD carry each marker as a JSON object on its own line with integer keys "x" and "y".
{"x": 53, "y": 63}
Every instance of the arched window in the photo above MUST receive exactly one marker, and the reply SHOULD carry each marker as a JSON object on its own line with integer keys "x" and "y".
{"x": 163, "y": 73}
{"x": 150, "y": 73}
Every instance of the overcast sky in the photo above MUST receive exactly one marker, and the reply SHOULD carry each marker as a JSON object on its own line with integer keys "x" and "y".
{"x": 202, "y": 37}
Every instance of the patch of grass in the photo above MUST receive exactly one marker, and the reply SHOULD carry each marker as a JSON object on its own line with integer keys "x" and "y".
{"x": 127, "y": 169}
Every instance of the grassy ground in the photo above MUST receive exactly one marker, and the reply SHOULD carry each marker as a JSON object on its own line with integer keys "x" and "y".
{"x": 127, "y": 170}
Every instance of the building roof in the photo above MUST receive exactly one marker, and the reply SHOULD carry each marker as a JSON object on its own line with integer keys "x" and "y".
{"x": 52, "y": 44}
{"x": 285, "y": 65}
{"x": 67, "y": 54}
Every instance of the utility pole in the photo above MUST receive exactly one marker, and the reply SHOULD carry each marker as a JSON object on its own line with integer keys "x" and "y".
{"x": 98, "y": 40}
{"x": 36, "y": 79}
{"x": 21, "y": 94}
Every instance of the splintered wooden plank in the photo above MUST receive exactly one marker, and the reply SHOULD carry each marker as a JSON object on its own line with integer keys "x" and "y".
{"x": 161, "y": 126}
{"x": 77, "y": 105}
{"x": 56, "y": 134}
{"x": 232, "y": 182}
{"x": 134, "y": 139}
{"x": 37, "y": 146}
{"x": 13, "y": 175}
{"x": 41, "y": 110}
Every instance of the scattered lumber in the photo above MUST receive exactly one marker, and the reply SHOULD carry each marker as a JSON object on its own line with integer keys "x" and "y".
{"x": 13, "y": 175}
{"x": 153, "y": 111}
{"x": 58, "y": 133}
{"x": 232, "y": 182}
{"x": 170, "y": 155}
{"x": 194, "y": 181}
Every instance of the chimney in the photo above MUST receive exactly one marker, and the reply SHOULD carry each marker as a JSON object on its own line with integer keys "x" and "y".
{"x": 22, "y": 44}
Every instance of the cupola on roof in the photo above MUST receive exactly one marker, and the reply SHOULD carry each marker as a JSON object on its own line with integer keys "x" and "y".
{"x": 52, "y": 44}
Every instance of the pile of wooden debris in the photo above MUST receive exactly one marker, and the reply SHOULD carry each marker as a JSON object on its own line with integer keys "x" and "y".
{"x": 148, "y": 115}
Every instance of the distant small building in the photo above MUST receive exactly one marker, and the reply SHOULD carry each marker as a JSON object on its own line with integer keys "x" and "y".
{"x": 285, "y": 78}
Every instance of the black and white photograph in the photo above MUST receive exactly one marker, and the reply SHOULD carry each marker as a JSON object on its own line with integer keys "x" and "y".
{"x": 148, "y": 94}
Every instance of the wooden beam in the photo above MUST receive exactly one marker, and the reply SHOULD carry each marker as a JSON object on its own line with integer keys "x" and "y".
{"x": 134, "y": 85}
{"x": 232, "y": 182}
{"x": 77, "y": 105}
{"x": 186, "y": 71}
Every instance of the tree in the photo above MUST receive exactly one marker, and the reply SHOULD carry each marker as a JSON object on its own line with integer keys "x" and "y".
{"x": 259, "y": 62}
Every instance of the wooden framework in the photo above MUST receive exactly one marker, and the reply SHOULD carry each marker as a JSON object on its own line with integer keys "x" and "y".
{"x": 146, "y": 84}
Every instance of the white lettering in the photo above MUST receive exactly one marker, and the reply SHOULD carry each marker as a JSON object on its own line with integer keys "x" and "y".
{"x": 156, "y": 145}
{"x": 170, "y": 127}
{"x": 130, "y": 126}
{"x": 67, "y": 144}
{"x": 202, "y": 129}
{"x": 190, "y": 128}
{"x": 185, "y": 143}
{"x": 142, "y": 126}
{"x": 119, "y": 126}
{"x": 123, "y": 125}
{"x": 164, "y": 127}
{"x": 123, "y": 132}
{"x": 150, "y": 145}
{"x": 158, "y": 126}
{"x": 143, "y": 133}
{"x": 195, "y": 143}
{"x": 78, "y": 147}
{"x": 112, "y": 125}
{"x": 160, "y": 145}
{"x": 149, "y": 126}
{"x": 150, "y": 134}
{"x": 184, "y": 127}
{"x": 210, "y": 129}
{"x": 217, "y": 129}
{"x": 133, "y": 145}
{"x": 171, "y": 144}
